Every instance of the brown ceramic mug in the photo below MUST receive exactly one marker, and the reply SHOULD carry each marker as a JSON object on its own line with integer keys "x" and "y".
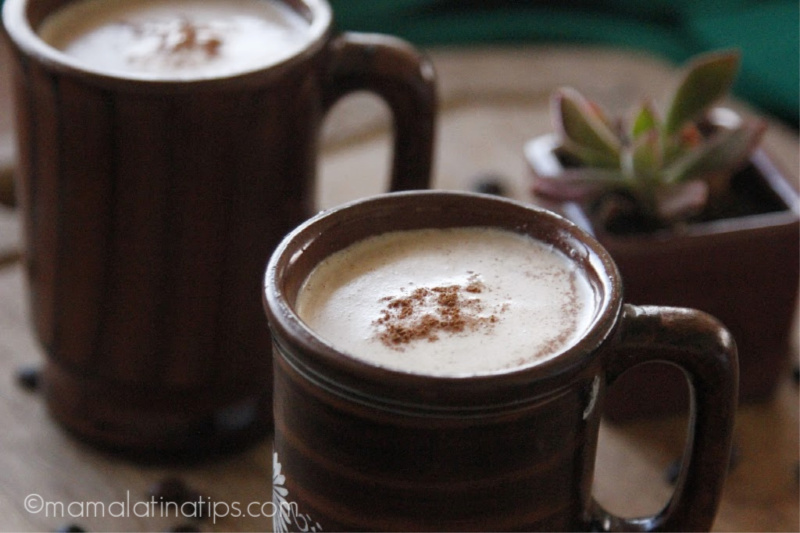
{"x": 150, "y": 207}
{"x": 360, "y": 446}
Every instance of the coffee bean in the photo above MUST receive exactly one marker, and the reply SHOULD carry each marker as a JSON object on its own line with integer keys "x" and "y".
{"x": 184, "y": 528}
{"x": 170, "y": 490}
{"x": 70, "y": 528}
{"x": 28, "y": 378}
{"x": 489, "y": 184}
{"x": 175, "y": 490}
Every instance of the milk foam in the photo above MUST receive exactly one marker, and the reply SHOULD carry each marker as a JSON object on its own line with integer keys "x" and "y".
{"x": 176, "y": 38}
{"x": 451, "y": 302}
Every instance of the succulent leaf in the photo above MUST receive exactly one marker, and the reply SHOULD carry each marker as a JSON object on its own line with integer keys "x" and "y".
{"x": 584, "y": 129}
{"x": 707, "y": 79}
{"x": 589, "y": 157}
{"x": 573, "y": 184}
{"x": 725, "y": 150}
{"x": 664, "y": 169}
{"x": 644, "y": 120}
{"x": 646, "y": 156}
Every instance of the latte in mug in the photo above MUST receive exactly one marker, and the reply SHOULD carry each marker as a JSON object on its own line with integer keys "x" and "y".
{"x": 448, "y": 302}
{"x": 176, "y": 39}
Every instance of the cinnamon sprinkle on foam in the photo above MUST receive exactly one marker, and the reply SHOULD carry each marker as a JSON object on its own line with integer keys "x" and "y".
{"x": 427, "y": 312}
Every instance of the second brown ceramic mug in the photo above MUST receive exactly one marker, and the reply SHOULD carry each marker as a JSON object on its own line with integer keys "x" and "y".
{"x": 150, "y": 207}
{"x": 361, "y": 446}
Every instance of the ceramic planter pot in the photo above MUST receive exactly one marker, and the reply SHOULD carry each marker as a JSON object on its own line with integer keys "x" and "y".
{"x": 743, "y": 270}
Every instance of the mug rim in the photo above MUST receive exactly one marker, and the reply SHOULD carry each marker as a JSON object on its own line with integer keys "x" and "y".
{"x": 16, "y": 24}
{"x": 350, "y": 376}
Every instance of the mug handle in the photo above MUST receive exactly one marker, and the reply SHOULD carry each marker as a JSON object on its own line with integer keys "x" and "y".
{"x": 405, "y": 79}
{"x": 700, "y": 346}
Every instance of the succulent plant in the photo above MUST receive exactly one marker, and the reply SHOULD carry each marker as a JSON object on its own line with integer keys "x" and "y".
{"x": 664, "y": 167}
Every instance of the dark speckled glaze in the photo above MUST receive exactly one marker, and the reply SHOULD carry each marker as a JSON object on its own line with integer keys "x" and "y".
{"x": 358, "y": 447}
{"x": 150, "y": 209}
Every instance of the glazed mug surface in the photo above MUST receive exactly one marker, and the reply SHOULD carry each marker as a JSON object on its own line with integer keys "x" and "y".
{"x": 362, "y": 446}
{"x": 150, "y": 206}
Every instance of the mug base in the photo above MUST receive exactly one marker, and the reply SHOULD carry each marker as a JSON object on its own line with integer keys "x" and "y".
{"x": 133, "y": 423}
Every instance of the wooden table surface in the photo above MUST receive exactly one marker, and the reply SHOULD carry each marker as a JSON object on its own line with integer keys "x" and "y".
{"x": 492, "y": 100}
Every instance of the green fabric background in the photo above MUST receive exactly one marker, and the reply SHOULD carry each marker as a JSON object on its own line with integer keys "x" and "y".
{"x": 767, "y": 32}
